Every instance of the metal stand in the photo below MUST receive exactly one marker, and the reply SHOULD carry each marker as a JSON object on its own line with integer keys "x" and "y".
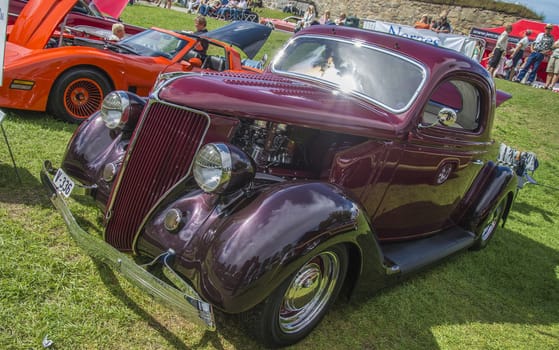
{"x": 2, "y": 115}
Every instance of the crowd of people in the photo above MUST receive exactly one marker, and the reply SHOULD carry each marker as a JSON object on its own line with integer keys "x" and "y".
{"x": 440, "y": 25}
{"x": 519, "y": 68}
{"x": 512, "y": 61}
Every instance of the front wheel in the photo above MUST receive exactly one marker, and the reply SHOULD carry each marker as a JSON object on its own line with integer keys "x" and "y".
{"x": 299, "y": 303}
{"x": 77, "y": 94}
{"x": 490, "y": 225}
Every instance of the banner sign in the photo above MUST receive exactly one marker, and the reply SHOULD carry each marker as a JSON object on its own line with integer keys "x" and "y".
{"x": 485, "y": 34}
{"x": 3, "y": 26}
{"x": 460, "y": 43}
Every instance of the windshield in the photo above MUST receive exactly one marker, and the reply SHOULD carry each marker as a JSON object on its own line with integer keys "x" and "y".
{"x": 153, "y": 43}
{"x": 387, "y": 79}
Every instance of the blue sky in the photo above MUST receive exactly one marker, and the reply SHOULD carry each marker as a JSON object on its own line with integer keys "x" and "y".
{"x": 548, "y": 8}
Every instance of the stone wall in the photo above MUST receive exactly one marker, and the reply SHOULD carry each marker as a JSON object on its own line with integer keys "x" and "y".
{"x": 407, "y": 12}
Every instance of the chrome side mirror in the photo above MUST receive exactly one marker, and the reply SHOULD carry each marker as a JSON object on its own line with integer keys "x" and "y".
{"x": 447, "y": 116}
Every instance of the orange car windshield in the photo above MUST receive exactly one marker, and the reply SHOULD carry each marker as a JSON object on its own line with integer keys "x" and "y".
{"x": 153, "y": 43}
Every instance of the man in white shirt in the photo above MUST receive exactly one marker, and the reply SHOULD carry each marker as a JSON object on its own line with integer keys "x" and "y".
{"x": 540, "y": 48}
{"x": 518, "y": 52}
{"x": 500, "y": 47}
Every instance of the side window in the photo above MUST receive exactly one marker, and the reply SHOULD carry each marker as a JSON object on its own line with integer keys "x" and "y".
{"x": 458, "y": 95}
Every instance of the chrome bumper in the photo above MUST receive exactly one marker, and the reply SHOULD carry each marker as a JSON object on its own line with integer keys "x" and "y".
{"x": 185, "y": 300}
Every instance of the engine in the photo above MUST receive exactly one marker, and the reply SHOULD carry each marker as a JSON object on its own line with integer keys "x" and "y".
{"x": 271, "y": 144}
{"x": 289, "y": 150}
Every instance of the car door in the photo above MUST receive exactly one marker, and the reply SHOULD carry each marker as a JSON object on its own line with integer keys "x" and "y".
{"x": 438, "y": 162}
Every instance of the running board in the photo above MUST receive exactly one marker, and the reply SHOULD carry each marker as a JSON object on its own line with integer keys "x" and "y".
{"x": 413, "y": 255}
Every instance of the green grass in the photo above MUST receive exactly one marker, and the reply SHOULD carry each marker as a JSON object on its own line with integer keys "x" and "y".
{"x": 504, "y": 297}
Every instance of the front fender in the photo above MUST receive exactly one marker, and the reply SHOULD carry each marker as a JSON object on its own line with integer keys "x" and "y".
{"x": 245, "y": 251}
{"x": 93, "y": 146}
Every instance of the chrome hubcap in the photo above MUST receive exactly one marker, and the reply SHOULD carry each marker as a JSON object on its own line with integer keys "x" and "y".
{"x": 492, "y": 224}
{"x": 309, "y": 292}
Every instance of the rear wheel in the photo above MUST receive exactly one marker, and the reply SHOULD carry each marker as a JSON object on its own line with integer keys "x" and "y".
{"x": 489, "y": 226}
{"x": 299, "y": 303}
{"x": 77, "y": 94}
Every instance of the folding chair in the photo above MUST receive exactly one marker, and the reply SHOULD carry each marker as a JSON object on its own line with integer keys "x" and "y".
{"x": 2, "y": 115}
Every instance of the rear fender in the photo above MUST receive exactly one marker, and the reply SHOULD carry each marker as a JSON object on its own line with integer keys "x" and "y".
{"x": 500, "y": 182}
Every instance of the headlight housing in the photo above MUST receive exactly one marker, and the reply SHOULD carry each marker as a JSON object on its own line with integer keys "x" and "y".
{"x": 121, "y": 108}
{"x": 221, "y": 168}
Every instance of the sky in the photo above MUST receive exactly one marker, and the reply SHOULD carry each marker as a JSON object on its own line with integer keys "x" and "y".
{"x": 548, "y": 8}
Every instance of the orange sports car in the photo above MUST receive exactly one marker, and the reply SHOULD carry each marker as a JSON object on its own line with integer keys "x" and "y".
{"x": 48, "y": 67}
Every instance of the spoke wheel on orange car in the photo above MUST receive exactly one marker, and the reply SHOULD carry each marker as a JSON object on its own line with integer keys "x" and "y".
{"x": 299, "y": 303}
{"x": 489, "y": 226}
{"x": 77, "y": 94}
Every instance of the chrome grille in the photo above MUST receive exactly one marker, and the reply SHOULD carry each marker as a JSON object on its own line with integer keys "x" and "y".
{"x": 160, "y": 154}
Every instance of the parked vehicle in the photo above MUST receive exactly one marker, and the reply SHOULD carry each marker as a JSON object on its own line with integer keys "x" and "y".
{"x": 287, "y": 24}
{"x": 355, "y": 159}
{"x": 69, "y": 75}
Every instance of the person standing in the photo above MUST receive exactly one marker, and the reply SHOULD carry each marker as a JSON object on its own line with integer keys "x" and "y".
{"x": 540, "y": 47}
{"x": 423, "y": 23}
{"x": 553, "y": 67}
{"x": 518, "y": 52}
{"x": 500, "y": 47}
{"x": 443, "y": 26}
{"x": 325, "y": 19}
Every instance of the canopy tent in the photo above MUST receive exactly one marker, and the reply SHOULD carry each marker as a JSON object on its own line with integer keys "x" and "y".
{"x": 519, "y": 28}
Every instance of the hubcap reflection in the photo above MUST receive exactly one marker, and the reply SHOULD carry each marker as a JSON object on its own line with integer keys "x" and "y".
{"x": 309, "y": 292}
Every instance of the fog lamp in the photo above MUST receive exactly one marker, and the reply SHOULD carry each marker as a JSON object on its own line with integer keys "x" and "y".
{"x": 220, "y": 168}
{"x": 172, "y": 220}
{"x": 109, "y": 172}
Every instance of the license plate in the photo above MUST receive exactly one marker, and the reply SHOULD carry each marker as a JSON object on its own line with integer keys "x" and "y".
{"x": 63, "y": 183}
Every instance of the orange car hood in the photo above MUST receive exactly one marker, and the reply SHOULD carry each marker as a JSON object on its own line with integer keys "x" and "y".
{"x": 37, "y": 21}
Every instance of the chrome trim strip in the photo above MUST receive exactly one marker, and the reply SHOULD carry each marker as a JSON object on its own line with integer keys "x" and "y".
{"x": 188, "y": 302}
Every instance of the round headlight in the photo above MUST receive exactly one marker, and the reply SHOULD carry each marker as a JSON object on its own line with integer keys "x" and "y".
{"x": 220, "y": 167}
{"x": 113, "y": 108}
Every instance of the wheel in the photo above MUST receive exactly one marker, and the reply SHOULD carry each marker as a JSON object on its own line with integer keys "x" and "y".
{"x": 487, "y": 229}
{"x": 78, "y": 93}
{"x": 299, "y": 303}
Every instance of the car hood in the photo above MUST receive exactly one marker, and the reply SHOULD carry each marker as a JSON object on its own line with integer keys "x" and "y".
{"x": 247, "y": 36}
{"x": 283, "y": 100}
{"x": 37, "y": 21}
{"x": 111, "y": 7}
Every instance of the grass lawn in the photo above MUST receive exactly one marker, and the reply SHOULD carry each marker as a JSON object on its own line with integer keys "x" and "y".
{"x": 503, "y": 297}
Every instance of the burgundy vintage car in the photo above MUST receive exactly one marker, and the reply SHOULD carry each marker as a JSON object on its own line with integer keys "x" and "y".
{"x": 355, "y": 159}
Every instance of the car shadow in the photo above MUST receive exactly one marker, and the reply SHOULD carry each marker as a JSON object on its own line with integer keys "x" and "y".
{"x": 487, "y": 287}
{"x": 25, "y": 192}
{"x": 513, "y": 281}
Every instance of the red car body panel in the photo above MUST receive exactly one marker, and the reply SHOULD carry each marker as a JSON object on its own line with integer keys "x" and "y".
{"x": 29, "y": 60}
